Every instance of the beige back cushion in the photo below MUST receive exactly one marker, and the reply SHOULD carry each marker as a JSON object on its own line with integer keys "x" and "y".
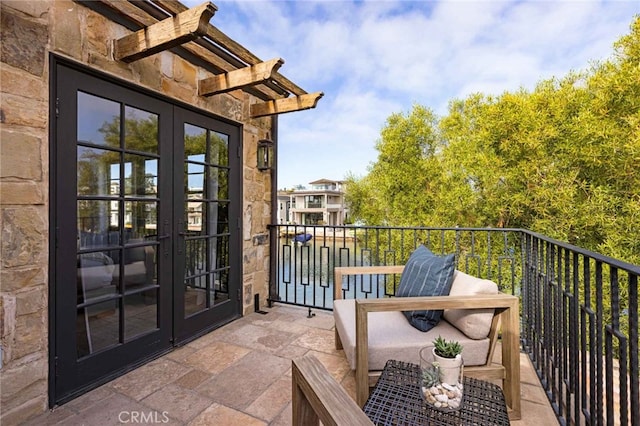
{"x": 474, "y": 323}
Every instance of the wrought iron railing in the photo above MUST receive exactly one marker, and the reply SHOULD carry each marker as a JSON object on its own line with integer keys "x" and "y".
{"x": 579, "y": 310}
{"x": 580, "y": 329}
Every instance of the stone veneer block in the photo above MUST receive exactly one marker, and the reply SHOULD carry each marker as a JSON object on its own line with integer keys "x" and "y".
{"x": 99, "y": 38}
{"x": 21, "y": 111}
{"x": 25, "y": 411}
{"x": 17, "y": 380}
{"x": 21, "y": 156}
{"x": 148, "y": 73}
{"x": 68, "y": 34}
{"x": 37, "y": 9}
{"x": 179, "y": 91}
{"x": 104, "y": 63}
{"x": 184, "y": 72}
{"x": 23, "y": 193}
{"x": 23, "y": 237}
{"x": 31, "y": 301}
{"x": 12, "y": 280}
{"x": 23, "y": 43}
{"x": 30, "y": 338}
{"x": 18, "y": 82}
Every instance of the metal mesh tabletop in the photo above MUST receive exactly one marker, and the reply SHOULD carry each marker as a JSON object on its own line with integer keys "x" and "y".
{"x": 397, "y": 400}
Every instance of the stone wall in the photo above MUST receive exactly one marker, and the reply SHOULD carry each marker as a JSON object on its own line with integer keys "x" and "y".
{"x": 30, "y": 30}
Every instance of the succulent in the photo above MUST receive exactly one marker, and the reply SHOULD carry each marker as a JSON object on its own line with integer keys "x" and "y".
{"x": 447, "y": 349}
{"x": 430, "y": 376}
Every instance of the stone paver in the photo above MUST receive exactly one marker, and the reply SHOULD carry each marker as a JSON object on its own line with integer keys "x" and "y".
{"x": 239, "y": 374}
{"x": 221, "y": 415}
{"x": 178, "y": 403}
{"x": 249, "y": 378}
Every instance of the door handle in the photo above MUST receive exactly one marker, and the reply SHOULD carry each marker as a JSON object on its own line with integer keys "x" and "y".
{"x": 163, "y": 237}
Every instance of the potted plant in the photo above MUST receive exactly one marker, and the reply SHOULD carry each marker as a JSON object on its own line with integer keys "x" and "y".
{"x": 441, "y": 379}
{"x": 448, "y": 355}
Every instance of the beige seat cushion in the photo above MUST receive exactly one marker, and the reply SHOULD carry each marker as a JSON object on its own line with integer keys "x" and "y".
{"x": 474, "y": 323}
{"x": 392, "y": 337}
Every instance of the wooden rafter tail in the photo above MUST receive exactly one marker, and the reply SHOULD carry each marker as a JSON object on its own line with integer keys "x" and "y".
{"x": 281, "y": 106}
{"x": 240, "y": 78}
{"x": 163, "y": 35}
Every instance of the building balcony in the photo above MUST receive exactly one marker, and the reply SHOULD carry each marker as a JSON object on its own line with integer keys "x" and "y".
{"x": 579, "y": 332}
{"x": 240, "y": 374}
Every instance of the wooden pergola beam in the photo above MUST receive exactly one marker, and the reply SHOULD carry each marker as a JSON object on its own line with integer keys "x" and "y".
{"x": 225, "y": 41}
{"x": 163, "y": 35}
{"x": 281, "y": 106}
{"x": 240, "y": 78}
{"x": 143, "y": 19}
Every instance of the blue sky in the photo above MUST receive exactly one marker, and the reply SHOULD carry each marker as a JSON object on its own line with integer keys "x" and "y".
{"x": 375, "y": 58}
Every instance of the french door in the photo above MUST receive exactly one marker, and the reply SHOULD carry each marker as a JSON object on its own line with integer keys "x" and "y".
{"x": 146, "y": 200}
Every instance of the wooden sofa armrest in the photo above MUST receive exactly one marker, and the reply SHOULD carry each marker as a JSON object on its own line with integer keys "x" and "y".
{"x": 505, "y": 305}
{"x": 317, "y": 396}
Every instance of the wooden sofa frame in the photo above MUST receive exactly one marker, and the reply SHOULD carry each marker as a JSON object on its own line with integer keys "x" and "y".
{"x": 316, "y": 396}
{"x": 506, "y": 319}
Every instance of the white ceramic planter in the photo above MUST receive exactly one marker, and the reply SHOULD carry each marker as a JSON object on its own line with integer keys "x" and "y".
{"x": 450, "y": 368}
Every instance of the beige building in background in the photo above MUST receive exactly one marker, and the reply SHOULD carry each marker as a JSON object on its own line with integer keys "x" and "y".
{"x": 322, "y": 204}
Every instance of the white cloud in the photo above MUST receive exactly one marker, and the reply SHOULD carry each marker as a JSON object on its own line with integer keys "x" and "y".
{"x": 374, "y": 58}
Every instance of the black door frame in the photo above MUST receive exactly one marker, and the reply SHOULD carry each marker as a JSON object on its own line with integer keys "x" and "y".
{"x": 186, "y": 329}
{"x": 61, "y": 198}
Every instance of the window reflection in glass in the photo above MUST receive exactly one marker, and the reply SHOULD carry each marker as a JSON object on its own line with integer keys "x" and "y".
{"x": 140, "y": 313}
{"x": 140, "y": 130}
{"x": 140, "y": 219}
{"x": 219, "y": 149}
{"x": 97, "y": 327}
{"x": 95, "y": 217}
{"x": 218, "y": 183}
{"x": 140, "y": 176}
{"x": 95, "y": 172}
{"x": 95, "y": 275}
{"x": 98, "y": 120}
{"x": 195, "y": 143}
{"x": 139, "y": 267}
{"x": 220, "y": 290}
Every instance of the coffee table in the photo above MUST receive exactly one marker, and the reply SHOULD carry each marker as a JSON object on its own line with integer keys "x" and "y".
{"x": 396, "y": 400}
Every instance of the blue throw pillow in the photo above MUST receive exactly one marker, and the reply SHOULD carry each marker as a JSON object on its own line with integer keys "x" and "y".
{"x": 426, "y": 274}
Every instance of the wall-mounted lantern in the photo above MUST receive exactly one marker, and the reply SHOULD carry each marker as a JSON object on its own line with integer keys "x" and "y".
{"x": 265, "y": 154}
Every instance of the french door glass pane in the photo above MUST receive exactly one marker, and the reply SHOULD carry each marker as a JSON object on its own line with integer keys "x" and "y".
{"x": 219, "y": 152}
{"x": 95, "y": 275}
{"x": 97, "y": 327}
{"x": 100, "y": 120}
{"x": 140, "y": 176}
{"x": 141, "y": 130}
{"x": 140, "y": 269}
{"x": 207, "y": 253}
{"x": 126, "y": 174}
{"x": 95, "y": 220}
{"x": 141, "y": 313}
{"x": 219, "y": 183}
{"x": 96, "y": 173}
{"x": 140, "y": 220}
{"x": 195, "y": 142}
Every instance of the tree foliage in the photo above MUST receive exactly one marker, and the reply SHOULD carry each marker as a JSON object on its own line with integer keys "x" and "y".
{"x": 562, "y": 159}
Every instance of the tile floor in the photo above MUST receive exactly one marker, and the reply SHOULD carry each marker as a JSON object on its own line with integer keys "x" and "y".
{"x": 239, "y": 374}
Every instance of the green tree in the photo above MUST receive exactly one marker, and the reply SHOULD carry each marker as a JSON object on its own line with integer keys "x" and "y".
{"x": 561, "y": 160}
